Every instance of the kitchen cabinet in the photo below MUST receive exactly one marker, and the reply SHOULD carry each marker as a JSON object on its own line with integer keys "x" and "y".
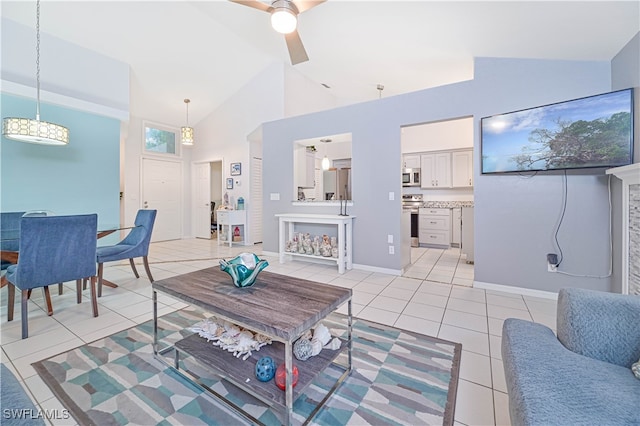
{"x": 456, "y": 226}
{"x": 411, "y": 161}
{"x": 436, "y": 170}
{"x": 305, "y": 168}
{"x": 462, "y": 168}
{"x": 434, "y": 227}
{"x": 467, "y": 247}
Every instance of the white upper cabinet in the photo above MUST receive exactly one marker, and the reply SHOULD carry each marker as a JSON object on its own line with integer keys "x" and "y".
{"x": 462, "y": 169}
{"x": 305, "y": 167}
{"x": 436, "y": 170}
{"x": 410, "y": 161}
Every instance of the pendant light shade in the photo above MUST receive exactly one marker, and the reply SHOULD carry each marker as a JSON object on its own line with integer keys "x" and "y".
{"x": 33, "y": 130}
{"x": 325, "y": 163}
{"x": 186, "y": 132}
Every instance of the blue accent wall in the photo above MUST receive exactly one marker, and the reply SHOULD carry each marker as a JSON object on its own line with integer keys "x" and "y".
{"x": 82, "y": 177}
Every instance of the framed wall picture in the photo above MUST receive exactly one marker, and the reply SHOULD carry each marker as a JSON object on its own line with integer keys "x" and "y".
{"x": 229, "y": 183}
{"x": 236, "y": 169}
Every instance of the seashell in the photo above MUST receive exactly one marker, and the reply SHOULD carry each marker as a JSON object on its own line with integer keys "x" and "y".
{"x": 635, "y": 368}
{"x": 302, "y": 349}
{"x": 307, "y": 335}
{"x": 316, "y": 347}
{"x": 334, "y": 344}
{"x": 322, "y": 334}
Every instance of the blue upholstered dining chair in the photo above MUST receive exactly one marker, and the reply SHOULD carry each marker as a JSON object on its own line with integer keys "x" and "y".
{"x": 9, "y": 221}
{"x": 53, "y": 249}
{"x": 135, "y": 244}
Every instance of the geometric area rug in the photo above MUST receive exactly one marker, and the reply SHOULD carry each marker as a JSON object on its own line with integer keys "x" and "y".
{"x": 398, "y": 378}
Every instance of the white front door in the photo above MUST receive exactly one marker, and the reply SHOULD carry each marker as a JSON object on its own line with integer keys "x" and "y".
{"x": 162, "y": 191}
{"x": 202, "y": 200}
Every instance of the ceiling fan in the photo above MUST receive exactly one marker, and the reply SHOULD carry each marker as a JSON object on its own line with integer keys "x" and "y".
{"x": 284, "y": 19}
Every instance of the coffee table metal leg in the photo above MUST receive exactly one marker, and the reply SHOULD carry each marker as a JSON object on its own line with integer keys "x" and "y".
{"x": 155, "y": 322}
{"x": 288, "y": 364}
{"x": 349, "y": 336}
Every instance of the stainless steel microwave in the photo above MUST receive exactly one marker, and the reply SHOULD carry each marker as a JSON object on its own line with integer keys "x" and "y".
{"x": 411, "y": 177}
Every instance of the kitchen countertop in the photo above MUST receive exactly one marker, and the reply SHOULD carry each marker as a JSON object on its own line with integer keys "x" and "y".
{"x": 447, "y": 204}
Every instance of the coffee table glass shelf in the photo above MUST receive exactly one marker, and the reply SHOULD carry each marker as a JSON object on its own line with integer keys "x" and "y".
{"x": 278, "y": 306}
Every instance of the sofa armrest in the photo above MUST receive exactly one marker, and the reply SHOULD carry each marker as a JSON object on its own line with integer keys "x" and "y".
{"x": 600, "y": 325}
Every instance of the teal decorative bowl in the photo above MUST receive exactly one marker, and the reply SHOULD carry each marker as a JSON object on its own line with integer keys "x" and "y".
{"x": 243, "y": 268}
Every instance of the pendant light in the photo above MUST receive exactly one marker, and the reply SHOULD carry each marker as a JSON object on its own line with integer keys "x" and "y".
{"x": 30, "y": 130}
{"x": 187, "y": 132}
{"x": 325, "y": 161}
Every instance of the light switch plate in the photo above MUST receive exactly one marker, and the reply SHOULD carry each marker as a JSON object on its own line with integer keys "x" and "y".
{"x": 390, "y": 239}
{"x": 274, "y": 196}
{"x": 392, "y": 196}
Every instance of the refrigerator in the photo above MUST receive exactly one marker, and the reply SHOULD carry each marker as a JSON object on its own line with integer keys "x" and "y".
{"x": 337, "y": 184}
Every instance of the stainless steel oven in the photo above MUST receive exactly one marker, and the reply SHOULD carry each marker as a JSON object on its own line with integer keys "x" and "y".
{"x": 411, "y": 177}
{"x": 413, "y": 202}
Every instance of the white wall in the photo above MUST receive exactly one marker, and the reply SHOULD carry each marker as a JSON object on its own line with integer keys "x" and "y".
{"x": 70, "y": 75}
{"x": 514, "y": 217}
{"x": 448, "y": 134}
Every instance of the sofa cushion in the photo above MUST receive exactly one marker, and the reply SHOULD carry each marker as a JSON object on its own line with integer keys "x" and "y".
{"x": 600, "y": 325}
{"x": 549, "y": 384}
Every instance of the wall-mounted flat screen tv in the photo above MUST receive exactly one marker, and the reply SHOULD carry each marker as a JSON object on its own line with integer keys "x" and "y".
{"x": 596, "y": 131}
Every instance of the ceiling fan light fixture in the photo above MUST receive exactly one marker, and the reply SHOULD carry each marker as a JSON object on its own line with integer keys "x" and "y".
{"x": 284, "y": 17}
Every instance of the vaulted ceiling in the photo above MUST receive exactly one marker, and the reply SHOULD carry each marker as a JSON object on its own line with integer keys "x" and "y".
{"x": 208, "y": 50}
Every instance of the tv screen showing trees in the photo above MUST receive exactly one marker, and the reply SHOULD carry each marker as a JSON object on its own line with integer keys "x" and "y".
{"x": 596, "y": 131}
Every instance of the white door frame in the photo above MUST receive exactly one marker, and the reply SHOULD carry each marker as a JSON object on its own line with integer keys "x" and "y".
{"x": 193, "y": 206}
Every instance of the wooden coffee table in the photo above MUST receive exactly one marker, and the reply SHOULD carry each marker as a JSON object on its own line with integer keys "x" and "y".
{"x": 278, "y": 306}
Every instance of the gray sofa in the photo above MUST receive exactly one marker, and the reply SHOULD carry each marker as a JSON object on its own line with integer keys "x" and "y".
{"x": 583, "y": 376}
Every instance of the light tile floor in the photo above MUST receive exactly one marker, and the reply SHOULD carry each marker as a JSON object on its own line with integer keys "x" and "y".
{"x": 434, "y": 297}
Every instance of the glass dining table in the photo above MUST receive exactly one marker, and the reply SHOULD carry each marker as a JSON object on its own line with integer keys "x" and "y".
{"x": 10, "y": 251}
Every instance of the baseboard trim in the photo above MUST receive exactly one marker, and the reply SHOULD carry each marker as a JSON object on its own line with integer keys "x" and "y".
{"x": 270, "y": 253}
{"x": 377, "y": 269}
{"x": 516, "y": 290}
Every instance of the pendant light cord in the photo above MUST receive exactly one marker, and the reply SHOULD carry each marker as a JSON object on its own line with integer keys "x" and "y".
{"x": 38, "y": 60}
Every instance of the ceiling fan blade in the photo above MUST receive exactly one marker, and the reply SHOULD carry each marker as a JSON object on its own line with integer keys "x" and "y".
{"x": 296, "y": 49}
{"x": 303, "y": 5}
{"x": 254, "y": 3}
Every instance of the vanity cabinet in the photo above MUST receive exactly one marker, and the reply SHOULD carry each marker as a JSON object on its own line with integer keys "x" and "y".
{"x": 305, "y": 168}
{"x": 462, "y": 168}
{"x": 436, "y": 170}
{"x": 434, "y": 227}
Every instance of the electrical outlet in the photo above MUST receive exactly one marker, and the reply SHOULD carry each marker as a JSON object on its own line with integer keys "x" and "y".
{"x": 552, "y": 262}
{"x": 390, "y": 239}
{"x": 391, "y": 250}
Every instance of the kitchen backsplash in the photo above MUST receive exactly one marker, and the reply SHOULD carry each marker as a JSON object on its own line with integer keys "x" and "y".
{"x": 447, "y": 204}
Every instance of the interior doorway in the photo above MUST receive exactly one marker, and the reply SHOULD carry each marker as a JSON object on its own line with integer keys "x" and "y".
{"x": 207, "y": 198}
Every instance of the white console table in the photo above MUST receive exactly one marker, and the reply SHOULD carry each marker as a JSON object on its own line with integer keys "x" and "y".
{"x": 287, "y": 223}
{"x": 229, "y": 219}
